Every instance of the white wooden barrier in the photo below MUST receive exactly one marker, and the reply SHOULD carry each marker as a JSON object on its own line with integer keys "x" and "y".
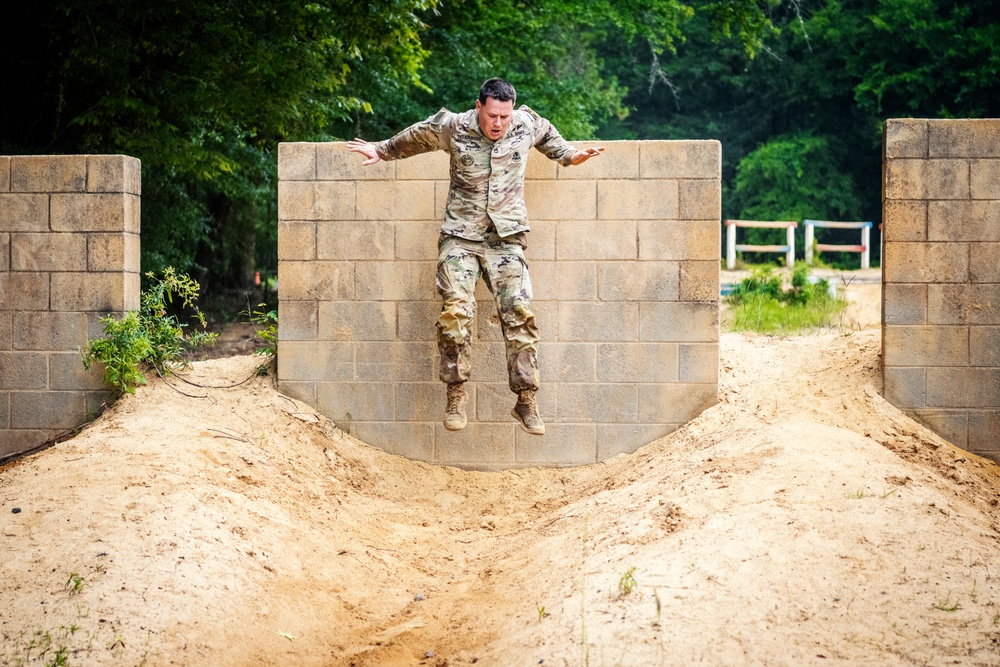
{"x": 864, "y": 248}
{"x": 732, "y": 246}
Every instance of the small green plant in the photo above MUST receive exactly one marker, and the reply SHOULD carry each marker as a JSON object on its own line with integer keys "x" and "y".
{"x": 149, "y": 336}
{"x": 74, "y": 583}
{"x": 857, "y": 495}
{"x": 762, "y": 303}
{"x": 948, "y": 605}
{"x": 541, "y": 611}
{"x": 627, "y": 583}
{"x": 266, "y": 323}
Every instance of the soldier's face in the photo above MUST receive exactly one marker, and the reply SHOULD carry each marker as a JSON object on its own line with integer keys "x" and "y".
{"x": 494, "y": 117}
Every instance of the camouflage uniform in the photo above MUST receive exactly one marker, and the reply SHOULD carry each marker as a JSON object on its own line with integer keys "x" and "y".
{"x": 483, "y": 231}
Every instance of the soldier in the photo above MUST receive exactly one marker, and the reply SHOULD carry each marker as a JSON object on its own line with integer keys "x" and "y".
{"x": 483, "y": 233}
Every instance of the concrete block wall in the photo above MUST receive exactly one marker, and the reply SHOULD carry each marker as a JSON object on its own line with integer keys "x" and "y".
{"x": 69, "y": 254}
{"x": 624, "y": 259}
{"x": 941, "y": 277}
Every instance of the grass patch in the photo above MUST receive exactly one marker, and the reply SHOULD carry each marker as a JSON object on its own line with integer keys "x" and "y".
{"x": 764, "y": 304}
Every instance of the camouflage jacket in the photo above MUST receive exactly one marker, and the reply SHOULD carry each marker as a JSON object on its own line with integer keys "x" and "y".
{"x": 487, "y": 177}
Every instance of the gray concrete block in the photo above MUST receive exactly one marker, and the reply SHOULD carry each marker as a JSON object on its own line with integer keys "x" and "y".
{"x": 984, "y": 179}
{"x": 24, "y": 291}
{"x": 638, "y": 281}
{"x": 414, "y": 440}
{"x": 925, "y": 262}
{"x": 66, "y": 373}
{"x": 297, "y": 161}
{"x": 687, "y": 322}
{"x": 416, "y": 319}
{"x": 478, "y": 444}
{"x": 24, "y": 370}
{"x": 675, "y": 403}
{"x": 926, "y": 179}
{"x": 680, "y": 159}
{"x": 562, "y": 445}
{"x": 699, "y": 281}
{"x": 637, "y": 362}
{"x": 638, "y": 200}
{"x": 48, "y": 173}
{"x": 302, "y": 391}
{"x": 592, "y": 240}
{"x": 296, "y": 240}
{"x": 321, "y": 281}
{"x": 975, "y": 303}
{"x": 495, "y": 400}
{"x": 567, "y": 362}
{"x": 598, "y": 322}
{"x": 395, "y": 281}
{"x": 114, "y": 173}
{"x": 5, "y": 174}
{"x": 19, "y": 440}
{"x": 426, "y": 401}
{"x": 904, "y": 387}
{"x": 912, "y": 345}
{"x": 337, "y": 240}
{"x": 597, "y": 403}
{"x": 906, "y": 138}
{"x": 43, "y": 410}
{"x": 556, "y": 281}
{"x": 50, "y": 331}
{"x": 357, "y": 320}
{"x": 6, "y": 329}
{"x": 963, "y": 221}
{"x": 417, "y": 240}
{"x": 49, "y": 252}
{"x": 983, "y": 264}
{"x": 357, "y": 401}
{"x": 24, "y": 213}
{"x": 620, "y": 160}
{"x": 904, "y": 220}
{"x": 315, "y": 361}
{"x": 963, "y": 388}
{"x": 99, "y": 212}
{"x": 298, "y": 320}
{"x": 984, "y": 433}
{"x": 952, "y": 425}
{"x": 904, "y": 304}
{"x": 403, "y": 361}
{"x": 984, "y": 346}
{"x": 967, "y": 137}
{"x": 614, "y": 439}
{"x": 679, "y": 240}
{"x": 700, "y": 199}
{"x": 698, "y": 362}
{"x": 100, "y": 292}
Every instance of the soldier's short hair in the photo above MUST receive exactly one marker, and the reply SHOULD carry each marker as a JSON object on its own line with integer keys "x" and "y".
{"x": 498, "y": 89}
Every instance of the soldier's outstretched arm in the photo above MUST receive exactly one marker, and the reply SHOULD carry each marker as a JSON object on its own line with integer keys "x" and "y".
{"x": 582, "y": 156}
{"x": 365, "y": 148}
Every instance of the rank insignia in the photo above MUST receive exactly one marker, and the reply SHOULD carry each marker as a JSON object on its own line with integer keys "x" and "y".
{"x": 516, "y": 157}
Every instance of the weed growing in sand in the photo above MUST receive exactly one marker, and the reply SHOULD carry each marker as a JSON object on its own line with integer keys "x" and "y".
{"x": 541, "y": 611}
{"x": 948, "y": 605}
{"x": 74, "y": 583}
{"x": 857, "y": 495}
{"x": 266, "y": 323}
{"x": 763, "y": 304}
{"x": 150, "y": 336}
{"x": 627, "y": 583}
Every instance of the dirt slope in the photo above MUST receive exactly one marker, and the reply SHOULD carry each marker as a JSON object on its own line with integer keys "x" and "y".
{"x": 800, "y": 521}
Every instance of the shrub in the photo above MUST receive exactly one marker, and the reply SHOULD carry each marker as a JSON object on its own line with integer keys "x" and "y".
{"x": 761, "y": 303}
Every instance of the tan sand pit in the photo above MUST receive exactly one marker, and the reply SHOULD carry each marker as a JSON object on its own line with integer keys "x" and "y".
{"x": 801, "y": 521}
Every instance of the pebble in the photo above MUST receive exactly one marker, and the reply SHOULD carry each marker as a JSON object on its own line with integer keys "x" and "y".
{"x": 419, "y": 597}
{"x": 16, "y": 510}
{"x": 429, "y": 654}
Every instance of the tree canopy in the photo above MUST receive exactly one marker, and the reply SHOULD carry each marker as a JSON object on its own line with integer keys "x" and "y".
{"x": 202, "y": 92}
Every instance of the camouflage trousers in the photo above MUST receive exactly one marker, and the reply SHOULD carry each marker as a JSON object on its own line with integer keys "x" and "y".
{"x": 501, "y": 263}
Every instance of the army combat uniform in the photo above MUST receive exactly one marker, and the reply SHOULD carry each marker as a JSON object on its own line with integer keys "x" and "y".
{"x": 483, "y": 233}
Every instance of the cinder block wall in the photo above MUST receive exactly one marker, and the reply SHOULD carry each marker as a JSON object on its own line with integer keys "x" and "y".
{"x": 625, "y": 269}
{"x": 69, "y": 254}
{"x": 941, "y": 277}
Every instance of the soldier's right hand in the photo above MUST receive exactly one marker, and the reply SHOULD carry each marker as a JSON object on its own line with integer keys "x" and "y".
{"x": 366, "y": 148}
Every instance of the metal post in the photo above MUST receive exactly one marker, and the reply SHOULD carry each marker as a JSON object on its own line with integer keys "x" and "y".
{"x": 790, "y": 255}
{"x": 866, "y": 236}
{"x": 730, "y": 246}
{"x": 810, "y": 234}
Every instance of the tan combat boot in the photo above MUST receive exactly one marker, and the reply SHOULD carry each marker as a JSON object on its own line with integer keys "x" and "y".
{"x": 454, "y": 417}
{"x": 526, "y": 412}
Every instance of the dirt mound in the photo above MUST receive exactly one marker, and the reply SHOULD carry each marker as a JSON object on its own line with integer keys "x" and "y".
{"x": 801, "y": 520}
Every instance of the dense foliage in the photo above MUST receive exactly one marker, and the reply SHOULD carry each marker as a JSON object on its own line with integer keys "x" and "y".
{"x": 202, "y": 92}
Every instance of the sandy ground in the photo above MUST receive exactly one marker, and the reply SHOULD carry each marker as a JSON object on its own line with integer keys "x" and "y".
{"x": 801, "y": 521}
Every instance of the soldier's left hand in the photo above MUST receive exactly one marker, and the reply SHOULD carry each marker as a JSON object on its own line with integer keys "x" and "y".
{"x": 582, "y": 156}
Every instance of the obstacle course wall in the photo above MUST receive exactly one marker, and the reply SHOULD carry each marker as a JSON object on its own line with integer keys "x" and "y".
{"x": 69, "y": 255}
{"x": 624, "y": 259}
{"x": 941, "y": 277}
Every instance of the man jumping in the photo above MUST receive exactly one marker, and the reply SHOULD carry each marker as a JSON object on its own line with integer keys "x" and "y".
{"x": 483, "y": 234}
